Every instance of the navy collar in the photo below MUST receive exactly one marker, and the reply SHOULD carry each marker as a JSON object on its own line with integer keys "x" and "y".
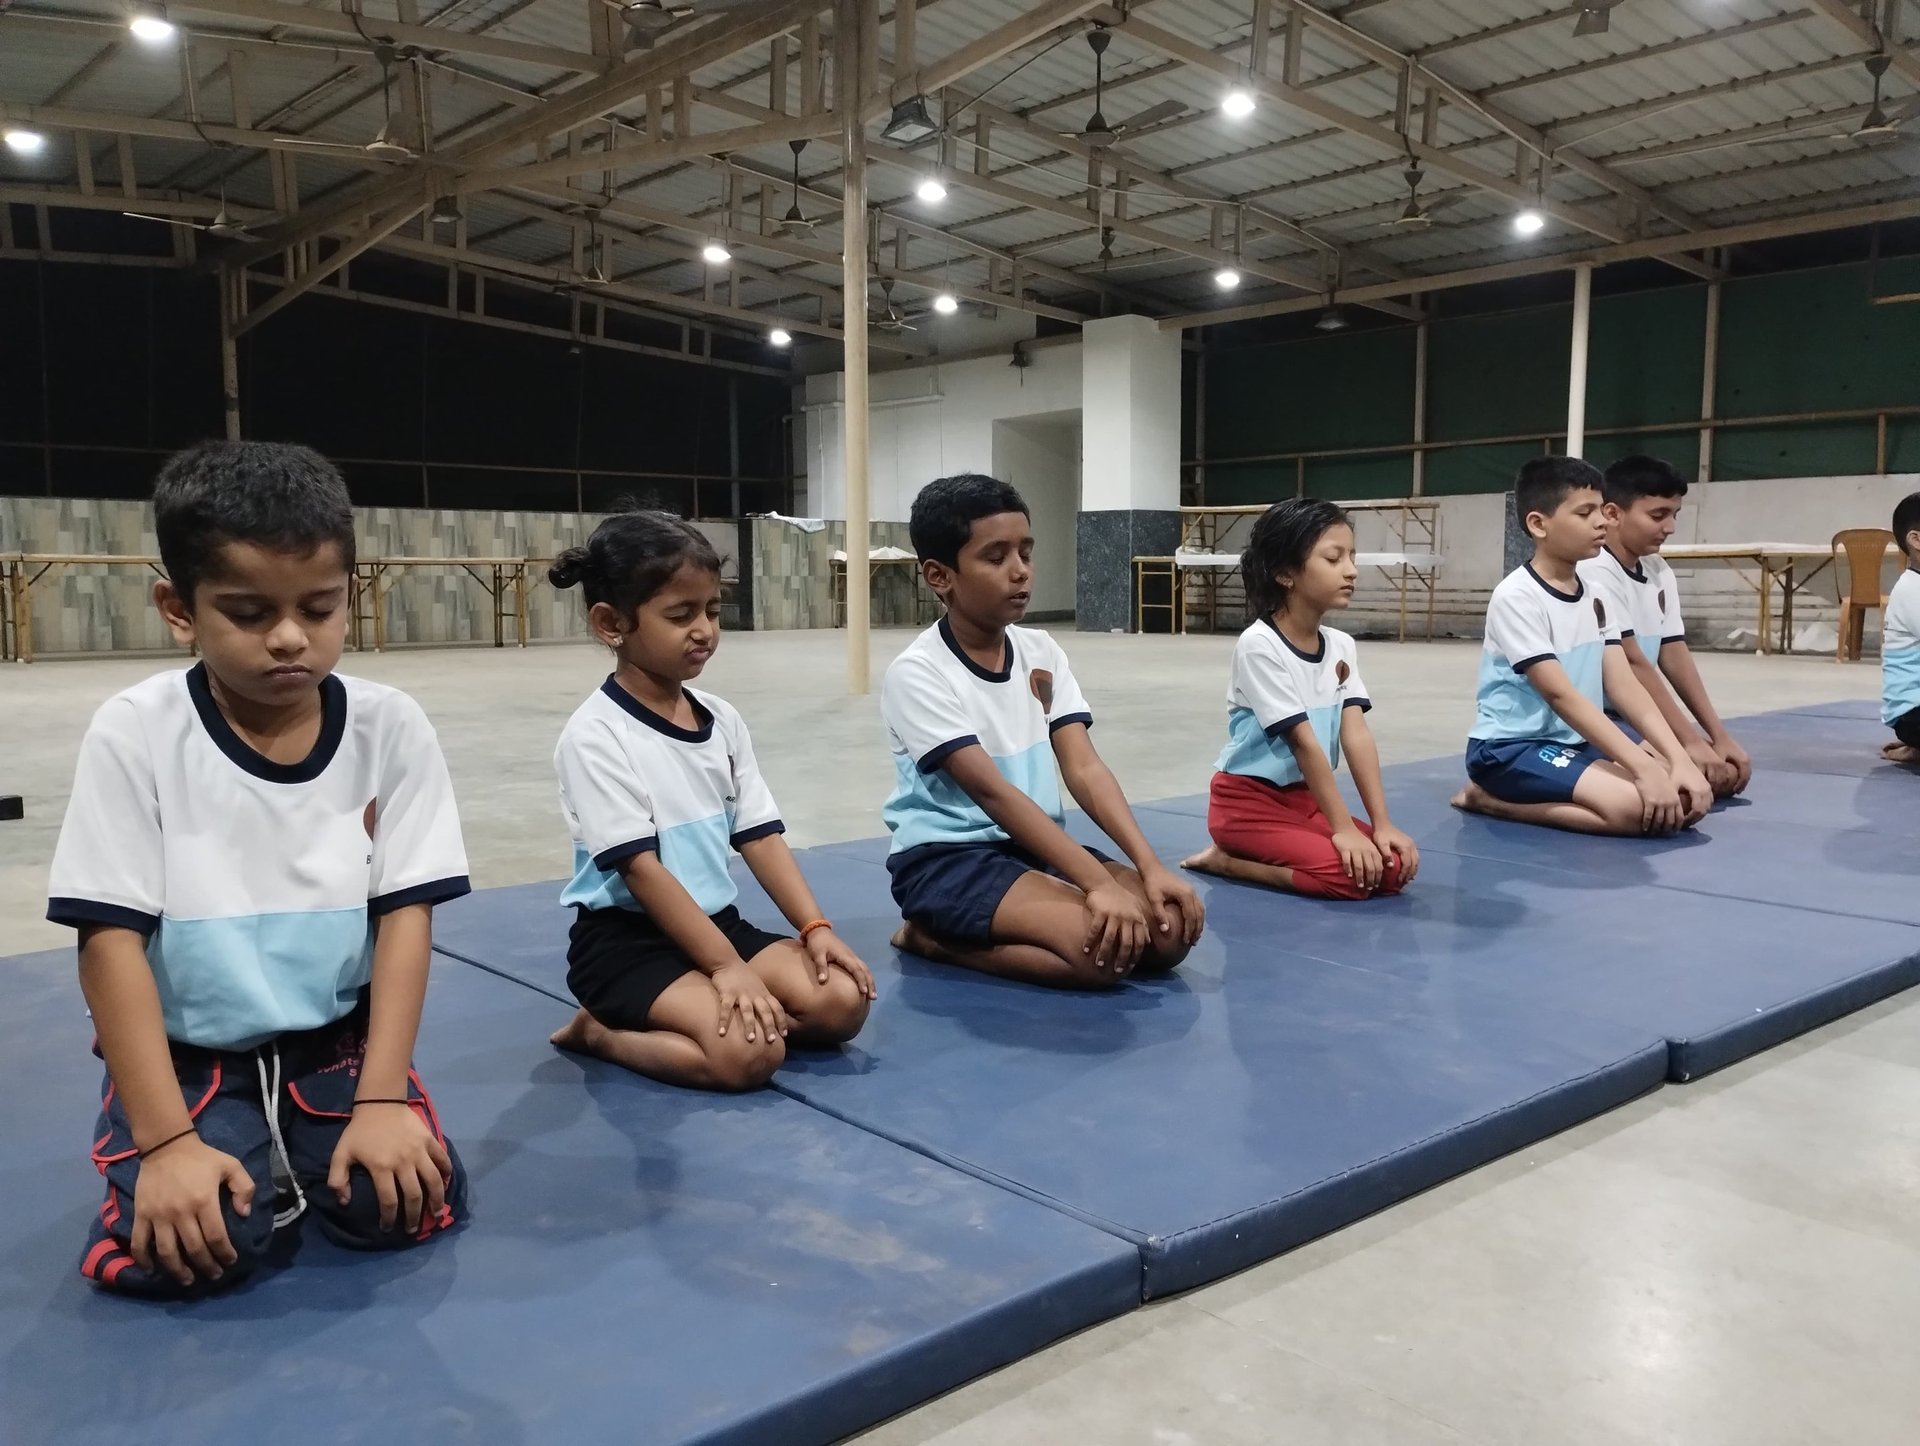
{"x": 333, "y": 727}
{"x": 1006, "y": 668}
{"x": 1318, "y": 655}
{"x": 664, "y": 726}
{"x": 1638, "y": 572}
{"x": 1579, "y": 588}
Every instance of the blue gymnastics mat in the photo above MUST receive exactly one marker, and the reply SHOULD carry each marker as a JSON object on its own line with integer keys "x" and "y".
{"x": 643, "y": 1265}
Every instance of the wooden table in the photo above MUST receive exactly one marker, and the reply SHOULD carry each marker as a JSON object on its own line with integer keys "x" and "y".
{"x": 877, "y": 559}
{"x": 1771, "y": 562}
{"x": 503, "y": 578}
{"x": 1223, "y": 532}
{"x": 19, "y": 571}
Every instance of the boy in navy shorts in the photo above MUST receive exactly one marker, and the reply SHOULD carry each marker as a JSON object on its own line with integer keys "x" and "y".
{"x": 1543, "y": 749}
{"x": 251, "y": 853}
{"x": 978, "y": 712}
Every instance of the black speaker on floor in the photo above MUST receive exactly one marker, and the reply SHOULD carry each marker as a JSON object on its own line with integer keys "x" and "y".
{"x": 12, "y": 806}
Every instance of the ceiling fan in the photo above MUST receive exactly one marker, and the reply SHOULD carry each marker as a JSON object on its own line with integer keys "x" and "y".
{"x": 891, "y": 318}
{"x": 796, "y": 222}
{"x": 1096, "y": 134}
{"x": 222, "y": 222}
{"x": 1878, "y": 124}
{"x": 648, "y": 20}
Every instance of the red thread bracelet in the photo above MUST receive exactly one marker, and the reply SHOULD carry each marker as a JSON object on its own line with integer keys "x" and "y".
{"x": 811, "y": 928}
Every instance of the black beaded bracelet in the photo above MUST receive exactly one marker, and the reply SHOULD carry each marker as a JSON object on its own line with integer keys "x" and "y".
{"x": 170, "y": 1139}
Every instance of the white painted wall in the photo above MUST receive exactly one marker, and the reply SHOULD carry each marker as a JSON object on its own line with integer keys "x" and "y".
{"x": 1042, "y": 458}
{"x": 931, "y": 421}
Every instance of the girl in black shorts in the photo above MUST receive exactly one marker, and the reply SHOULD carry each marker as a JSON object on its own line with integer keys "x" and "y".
{"x": 659, "y": 786}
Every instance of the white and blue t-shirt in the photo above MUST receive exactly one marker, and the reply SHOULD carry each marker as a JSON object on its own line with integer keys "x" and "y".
{"x": 256, "y": 883}
{"x": 936, "y": 700}
{"x": 632, "y": 782}
{"x": 1644, "y": 600}
{"x": 1274, "y": 687}
{"x": 1900, "y": 649}
{"x": 1529, "y": 621}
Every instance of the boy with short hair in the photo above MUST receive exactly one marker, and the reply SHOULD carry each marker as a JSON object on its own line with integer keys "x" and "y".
{"x": 1643, "y": 497}
{"x": 977, "y": 712}
{"x": 1543, "y": 749}
{"x": 1900, "y": 641}
{"x": 251, "y": 853}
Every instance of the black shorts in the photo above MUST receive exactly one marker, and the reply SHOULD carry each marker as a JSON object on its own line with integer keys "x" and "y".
{"x": 1907, "y": 728}
{"x": 619, "y": 961}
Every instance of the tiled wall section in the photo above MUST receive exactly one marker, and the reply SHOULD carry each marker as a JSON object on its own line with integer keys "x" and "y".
{"x": 83, "y": 609}
{"x": 792, "y": 577}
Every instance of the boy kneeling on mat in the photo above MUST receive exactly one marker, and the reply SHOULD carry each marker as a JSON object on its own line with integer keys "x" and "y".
{"x": 1543, "y": 749}
{"x": 251, "y": 853}
{"x": 977, "y": 712}
{"x": 1900, "y": 641}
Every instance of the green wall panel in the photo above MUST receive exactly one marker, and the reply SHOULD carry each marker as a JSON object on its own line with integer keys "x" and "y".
{"x": 1824, "y": 449}
{"x": 1455, "y": 470}
{"x": 1494, "y": 376}
{"x": 1248, "y": 483}
{"x": 1903, "y": 444}
{"x": 1350, "y": 390}
{"x": 1682, "y": 449}
{"x": 1342, "y": 479}
{"x": 1804, "y": 341}
{"x": 1646, "y": 357}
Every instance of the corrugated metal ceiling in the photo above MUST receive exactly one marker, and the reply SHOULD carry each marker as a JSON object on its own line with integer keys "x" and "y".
{"x": 1722, "y": 67}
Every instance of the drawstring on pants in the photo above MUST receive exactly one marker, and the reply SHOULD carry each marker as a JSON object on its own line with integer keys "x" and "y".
{"x": 281, "y": 1161}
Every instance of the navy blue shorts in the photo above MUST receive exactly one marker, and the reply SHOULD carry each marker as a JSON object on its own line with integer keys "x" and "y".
{"x": 1529, "y": 770}
{"x": 952, "y": 890}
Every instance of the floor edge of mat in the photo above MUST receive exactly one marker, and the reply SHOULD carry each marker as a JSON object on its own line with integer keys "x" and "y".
{"x": 1329, "y": 1205}
{"x": 1773, "y": 1025}
{"x": 909, "y": 1375}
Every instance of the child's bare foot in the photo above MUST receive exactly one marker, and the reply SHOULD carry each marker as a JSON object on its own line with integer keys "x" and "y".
{"x": 1471, "y": 799}
{"x": 1900, "y": 753}
{"x": 1210, "y": 860}
{"x": 583, "y": 1034}
{"x": 910, "y": 938}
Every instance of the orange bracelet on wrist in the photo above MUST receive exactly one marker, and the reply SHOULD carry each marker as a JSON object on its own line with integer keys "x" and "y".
{"x": 814, "y": 927}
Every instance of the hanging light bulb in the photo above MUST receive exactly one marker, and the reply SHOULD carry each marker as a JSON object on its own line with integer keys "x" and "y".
{"x": 1226, "y": 278}
{"x": 780, "y": 336}
{"x": 24, "y": 142}
{"x": 1529, "y": 222}
{"x": 715, "y": 253}
{"x": 946, "y": 303}
{"x": 1237, "y": 103}
{"x": 150, "y": 24}
{"x": 931, "y": 190}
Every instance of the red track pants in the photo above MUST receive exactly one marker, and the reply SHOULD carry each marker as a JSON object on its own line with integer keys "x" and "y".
{"x": 1267, "y": 824}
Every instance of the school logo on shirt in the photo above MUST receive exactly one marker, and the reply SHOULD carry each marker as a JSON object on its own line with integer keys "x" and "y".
{"x": 1041, "y": 681}
{"x": 366, "y": 822}
{"x": 1341, "y": 672}
{"x": 1663, "y": 600}
{"x": 1600, "y": 612}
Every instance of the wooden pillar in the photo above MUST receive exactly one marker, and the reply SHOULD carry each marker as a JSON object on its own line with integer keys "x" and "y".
{"x": 1577, "y": 372}
{"x": 850, "y": 20}
{"x": 1709, "y": 383}
{"x": 230, "y": 284}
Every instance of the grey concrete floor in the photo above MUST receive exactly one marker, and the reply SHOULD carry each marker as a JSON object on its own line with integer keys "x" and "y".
{"x": 1736, "y": 1260}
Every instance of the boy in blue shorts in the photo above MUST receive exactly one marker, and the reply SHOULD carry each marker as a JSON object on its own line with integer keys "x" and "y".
{"x": 251, "y": 853}
{"x": 978, "y": 711}
{"x": 1644, "y": 496}
{"x": 1543, "y": 749}
{"x": 1900, "y": 641}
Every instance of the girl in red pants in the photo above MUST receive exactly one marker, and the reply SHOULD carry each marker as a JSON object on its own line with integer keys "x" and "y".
{"x": 1294, "y": 703}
